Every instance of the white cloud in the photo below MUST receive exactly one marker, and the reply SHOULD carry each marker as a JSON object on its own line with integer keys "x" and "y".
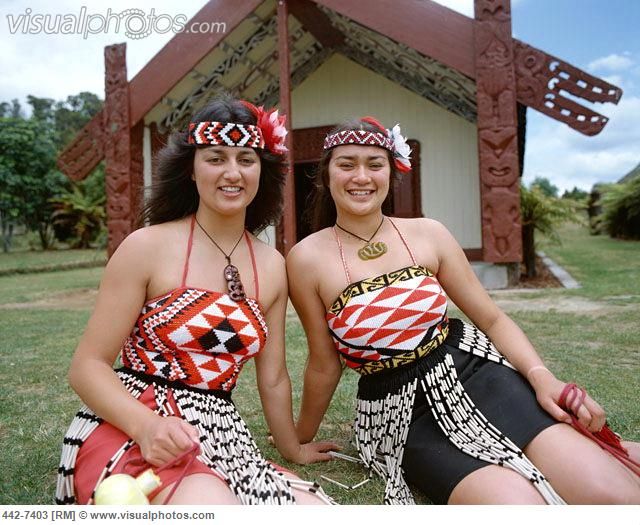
{"x": 461, "y": 6}
{"x": 613, "y": 62}
{"x": 466, "y": 6}
{"x": 569, "y": 158}
{"x": 616, "y": 80}
{"x": 55, "y": 66}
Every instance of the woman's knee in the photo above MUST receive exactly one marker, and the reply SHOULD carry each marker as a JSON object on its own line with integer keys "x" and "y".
{"x": 579, "y": 470}
{"x": 198, "y": 489}
{"x": 621, "y": 490}
{"x": 494, "y": 485}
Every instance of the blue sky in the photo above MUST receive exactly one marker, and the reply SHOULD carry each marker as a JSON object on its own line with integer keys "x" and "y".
{"x": 602, "y": 38}
{"x": 599, "y": 36}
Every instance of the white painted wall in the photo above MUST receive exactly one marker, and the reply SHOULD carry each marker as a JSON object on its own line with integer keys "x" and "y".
{"x": 341, "y": 89}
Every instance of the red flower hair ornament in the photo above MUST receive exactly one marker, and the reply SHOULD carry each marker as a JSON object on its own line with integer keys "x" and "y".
{"x": 272, "y": 127}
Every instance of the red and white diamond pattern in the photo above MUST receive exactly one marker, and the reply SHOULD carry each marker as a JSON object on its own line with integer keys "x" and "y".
{"x": 394, "y": 317}
{"x": 362, "y": 137}
{"x": 198, "y": 337}
{"x": 225, "y": 134}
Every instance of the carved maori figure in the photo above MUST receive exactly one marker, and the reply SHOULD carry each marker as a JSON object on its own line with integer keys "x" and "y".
{"x": 497, "y": 132}
{"x": 541, "y": 80}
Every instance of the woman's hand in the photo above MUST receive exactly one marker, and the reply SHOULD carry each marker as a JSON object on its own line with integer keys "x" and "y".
{"x": 313, "y": 452}
{"x": 548, "y": 390}
{"x": 162, "y": 439}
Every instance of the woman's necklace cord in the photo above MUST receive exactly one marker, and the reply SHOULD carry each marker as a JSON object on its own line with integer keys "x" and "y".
{"x": 231, "y": 274}
{"x": 369, "y": 250}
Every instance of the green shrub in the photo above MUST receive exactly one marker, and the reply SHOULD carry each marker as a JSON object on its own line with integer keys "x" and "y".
{"x": 543, "y": 213}
{"x": 621, "y": 204}
{"x": 79, "y": 212}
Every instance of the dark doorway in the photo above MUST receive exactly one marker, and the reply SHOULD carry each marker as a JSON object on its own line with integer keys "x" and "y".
{"x": 404, "y": 192}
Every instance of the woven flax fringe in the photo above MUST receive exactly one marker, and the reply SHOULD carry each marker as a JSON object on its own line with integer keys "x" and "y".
{"x": 382, "y": 425}
{"x": 225, "y": 442}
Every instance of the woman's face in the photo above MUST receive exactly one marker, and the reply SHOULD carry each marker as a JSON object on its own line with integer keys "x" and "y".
{"x": 359, "y": 178}
{"x": 226, "y": 177}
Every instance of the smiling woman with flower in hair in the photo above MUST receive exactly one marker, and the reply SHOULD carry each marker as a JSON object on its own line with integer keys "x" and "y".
{"x": 466, "y": 412}
{"x": 186, "y": 302}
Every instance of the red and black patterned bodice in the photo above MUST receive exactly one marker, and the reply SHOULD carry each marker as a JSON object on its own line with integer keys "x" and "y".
{"x": 389, "y": 320}
{"x": 196, "y": 337}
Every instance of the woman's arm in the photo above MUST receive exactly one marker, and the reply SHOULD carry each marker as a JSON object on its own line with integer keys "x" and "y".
{"x": 121, "y": 296}
{"x": 323, "y": 369}
{"x": 461, "y": 284}
{"x": 273, "y": 380}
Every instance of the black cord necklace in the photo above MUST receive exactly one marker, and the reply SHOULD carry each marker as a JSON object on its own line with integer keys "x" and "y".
{"x": 369, "y": 250}
{"x": 231, "y": 274}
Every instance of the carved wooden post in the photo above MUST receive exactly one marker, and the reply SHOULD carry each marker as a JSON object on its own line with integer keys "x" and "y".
{"x": 122, "y": 149}
{"x": 497, "y": 132}
{"x": 287, "y": 229}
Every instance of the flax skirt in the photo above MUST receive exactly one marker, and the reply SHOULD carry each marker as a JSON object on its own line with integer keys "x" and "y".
{"x": 432, "y": 463}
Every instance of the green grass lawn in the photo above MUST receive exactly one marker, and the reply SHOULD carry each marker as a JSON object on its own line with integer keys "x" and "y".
{"x": 27, "y": 261}
{"x": 608, "y": 269}
{"x": 598, "y": 349}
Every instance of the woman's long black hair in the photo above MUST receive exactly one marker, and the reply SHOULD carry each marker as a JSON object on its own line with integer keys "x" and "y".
{"x": 173, "y": 192}
{"x": 322, "y": 211}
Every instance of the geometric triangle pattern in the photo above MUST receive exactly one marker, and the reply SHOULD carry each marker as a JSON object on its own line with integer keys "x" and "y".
{"x": 380, "y": 322}
{"x": 196, "y": 337}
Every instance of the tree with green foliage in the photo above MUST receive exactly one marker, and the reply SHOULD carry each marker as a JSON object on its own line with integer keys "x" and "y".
{"x": 543, "y": 213}
{"x": 594, "y": 208}
{"x": 576, "y": 194}
{"x": 41, "y": 109}
{"x": 28, "y": 178}
{"x": 72, "y": 114}
{"x": 545, "y": 186}
{"x": 621, "y": 209}
{"x": 13, "y": 110}
{"x": 79, "y": 212}
{"x": 66, "y": 117}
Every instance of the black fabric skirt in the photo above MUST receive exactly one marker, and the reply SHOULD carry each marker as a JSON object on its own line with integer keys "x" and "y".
{"x": 431, "y": 462}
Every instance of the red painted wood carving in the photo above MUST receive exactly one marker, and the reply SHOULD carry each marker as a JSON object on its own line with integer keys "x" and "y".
{"x": 541, "y": 79}
{"x": 85, "y": 152}
{"x": 122, "y": 149}
{"x": 497, "y": 132}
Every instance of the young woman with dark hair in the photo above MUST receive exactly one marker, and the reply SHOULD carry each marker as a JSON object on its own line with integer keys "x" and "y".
{"x": 172, "y": 304}
{"x": 467, "y": 413}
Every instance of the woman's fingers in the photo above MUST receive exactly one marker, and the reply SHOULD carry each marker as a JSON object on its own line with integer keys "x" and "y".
{"x": 191, "y": 432}
{"x": 554, "y": 410}
{"x": 325, "y": 446}
{"x": 169, "y": 437}
{"x": 584, "y": 416}
{"x": 598, "y": 416}
{"x": 319, "y": 451}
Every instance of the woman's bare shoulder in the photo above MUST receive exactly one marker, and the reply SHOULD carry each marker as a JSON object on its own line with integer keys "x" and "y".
{"x": 148, "y": 239}
{"x": 266, "y": 255}
{"x": 310, "y": 248}
{"x": 422, "y": 228}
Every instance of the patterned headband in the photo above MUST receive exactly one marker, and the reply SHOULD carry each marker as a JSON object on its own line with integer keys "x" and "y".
{"x": 358, "y": 136}
{"x": 268, "y": 133}
{"x": 225, "y": 134}
{"x": 392, "y": 141}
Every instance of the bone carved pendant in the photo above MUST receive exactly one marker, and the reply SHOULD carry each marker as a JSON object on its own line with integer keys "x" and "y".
{"x": 234, "y": 285}
{"x": 372, "y": 250}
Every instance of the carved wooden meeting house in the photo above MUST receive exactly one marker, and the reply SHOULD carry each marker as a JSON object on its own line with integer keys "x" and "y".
{"x": 459, "y": 86}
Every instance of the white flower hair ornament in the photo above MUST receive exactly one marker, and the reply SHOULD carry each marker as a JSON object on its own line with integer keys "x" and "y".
{"x": 401, "y": 150}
